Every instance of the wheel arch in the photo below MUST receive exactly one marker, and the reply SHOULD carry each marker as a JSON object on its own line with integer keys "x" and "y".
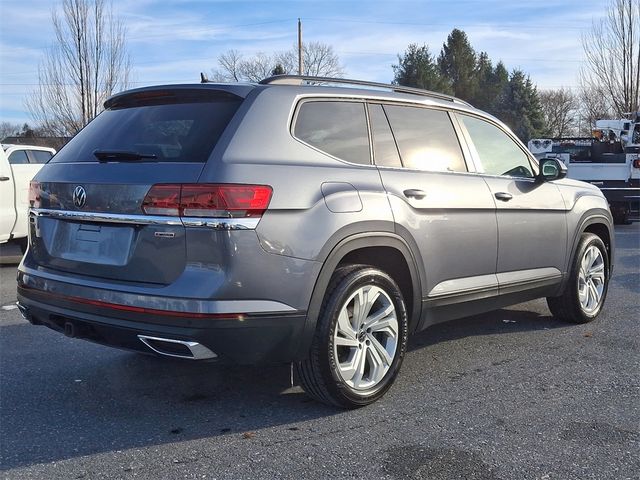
{"x": 368, "y": 248}
{"x": 599, "y": 223}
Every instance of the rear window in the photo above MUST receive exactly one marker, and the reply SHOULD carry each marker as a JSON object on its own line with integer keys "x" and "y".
{"x": 169, "y": 128}
{"x": 40, "y": 156}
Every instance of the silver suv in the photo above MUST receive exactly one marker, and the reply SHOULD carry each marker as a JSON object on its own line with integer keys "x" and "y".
{"x": 307, "y": 220}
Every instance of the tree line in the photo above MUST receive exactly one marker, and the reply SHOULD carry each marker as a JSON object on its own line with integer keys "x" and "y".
{"x": 89, "y": 61}
{"x": 471, "y": 76}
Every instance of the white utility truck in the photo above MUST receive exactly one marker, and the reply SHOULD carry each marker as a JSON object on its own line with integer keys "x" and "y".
{"x": 18, "y": 165}
{"x": 610, "y": 159}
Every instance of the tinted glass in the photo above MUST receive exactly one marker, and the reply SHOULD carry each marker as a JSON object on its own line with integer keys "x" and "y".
{"x": 40, "y": 156}
{"x": 385, "y": 152}
{"x": 426, "y": 139}
{"x": 498, "y": 153}
{"x": 173, "y": 132}
{"x": 18, "y": 157}
{"x": 337, "y": 128}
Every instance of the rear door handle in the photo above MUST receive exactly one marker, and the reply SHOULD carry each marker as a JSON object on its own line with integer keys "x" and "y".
{"x": 415, "y": 193}
{"x": 504, "y": 196}
{"x": 4, "y": 179}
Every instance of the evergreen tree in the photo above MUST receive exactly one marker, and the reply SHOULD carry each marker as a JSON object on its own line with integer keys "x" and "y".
{"x": 457, "y": 64}
{"x": 460, "y": 71}
{"x": 519, "y": 107}
{"x": 278, "y": 70}
{"x": 418, "y": 68}
{"x": 493, "y": 87}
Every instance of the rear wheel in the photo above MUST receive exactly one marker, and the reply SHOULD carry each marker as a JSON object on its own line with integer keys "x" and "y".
{"x": 360, "y": 339}
{"x": 586, "y": 289}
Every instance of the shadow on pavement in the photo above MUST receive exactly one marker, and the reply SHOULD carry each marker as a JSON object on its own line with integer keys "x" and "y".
{"x": 491, "y": 323}
{"x": 88, "y": 399}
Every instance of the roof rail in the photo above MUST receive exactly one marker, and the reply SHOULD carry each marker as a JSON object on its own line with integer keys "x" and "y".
{"x": 301, "y": 79}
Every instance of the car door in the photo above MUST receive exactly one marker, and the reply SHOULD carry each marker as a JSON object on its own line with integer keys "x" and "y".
{"x": 23, "y": 171}
{"x": 531, "y": 215}
{"x": 447, "y": 211}
{"x": 7, "y": 207}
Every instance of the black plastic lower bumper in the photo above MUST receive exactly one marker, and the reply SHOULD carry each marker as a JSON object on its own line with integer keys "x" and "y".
{"x": 246, "y": 340}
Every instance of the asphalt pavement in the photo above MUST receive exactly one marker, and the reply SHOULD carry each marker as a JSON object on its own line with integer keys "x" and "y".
{"x": 512, "y": 394}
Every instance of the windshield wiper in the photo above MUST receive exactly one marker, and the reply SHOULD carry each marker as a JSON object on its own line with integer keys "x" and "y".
{"x": 122, "y": 155}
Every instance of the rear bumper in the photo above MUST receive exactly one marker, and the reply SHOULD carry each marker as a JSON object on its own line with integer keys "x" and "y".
{"x": 246, "y": 338}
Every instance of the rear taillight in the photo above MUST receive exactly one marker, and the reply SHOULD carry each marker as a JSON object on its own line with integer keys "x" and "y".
{"x": 636, "y": 163}
{"x": 162, "y": 200}
{"x": 207, "y": 200}
{"x": 34, "y": 194}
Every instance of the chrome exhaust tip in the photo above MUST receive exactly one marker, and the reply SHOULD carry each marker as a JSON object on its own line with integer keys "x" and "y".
{"x": 177, "y": 348}
{"x": 24, "y": 311}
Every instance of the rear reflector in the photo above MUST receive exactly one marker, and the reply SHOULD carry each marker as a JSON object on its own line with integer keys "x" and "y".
{"x": 207, "y": 200}
{"x": 636, "y": 163}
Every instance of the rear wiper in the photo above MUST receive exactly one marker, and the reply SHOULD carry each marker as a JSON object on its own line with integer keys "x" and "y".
{"x": 121, "y": 155}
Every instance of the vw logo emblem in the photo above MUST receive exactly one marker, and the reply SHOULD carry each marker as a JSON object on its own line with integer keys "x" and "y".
{"x": 79, "y": 196}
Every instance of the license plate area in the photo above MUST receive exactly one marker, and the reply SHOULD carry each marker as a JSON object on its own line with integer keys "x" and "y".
{"x": 87, "y": 242}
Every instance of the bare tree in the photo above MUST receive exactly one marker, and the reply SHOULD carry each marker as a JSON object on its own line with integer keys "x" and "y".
{"x": 8, "y": 129}
{"x": 87, "y": 63}
{"x": 612, "y": 58}
{"x": 231, "y": 65}
{"x": 593, "y": 106}
{"x": 257, "y": 67}
{"x": 319, "y": 60}
{"x": 559, "y": 108}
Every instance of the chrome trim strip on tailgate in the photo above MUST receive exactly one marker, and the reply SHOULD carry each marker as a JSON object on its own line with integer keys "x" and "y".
{"x": 130, "y": 219}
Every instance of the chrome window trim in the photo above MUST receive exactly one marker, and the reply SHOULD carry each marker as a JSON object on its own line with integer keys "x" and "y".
{"x": 133, "y": 219}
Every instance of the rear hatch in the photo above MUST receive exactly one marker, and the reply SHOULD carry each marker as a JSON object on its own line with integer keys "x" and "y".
{"x": 88, "y": 216}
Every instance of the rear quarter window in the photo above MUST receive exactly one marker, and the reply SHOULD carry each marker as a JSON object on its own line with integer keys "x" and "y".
{"x": 169, "y": 128}
{"x": 336, "y": 128}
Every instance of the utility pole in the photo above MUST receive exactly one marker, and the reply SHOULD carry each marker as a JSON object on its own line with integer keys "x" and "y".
{"x": 299, "y": 47}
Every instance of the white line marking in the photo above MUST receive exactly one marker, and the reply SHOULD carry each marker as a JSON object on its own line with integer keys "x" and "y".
{"x": 9, "y": 307}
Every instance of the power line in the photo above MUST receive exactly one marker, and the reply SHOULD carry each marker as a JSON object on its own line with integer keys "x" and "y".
{"x": 527, "y": 25}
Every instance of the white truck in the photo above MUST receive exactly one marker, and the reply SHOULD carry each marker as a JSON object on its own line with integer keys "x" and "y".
{"x": 18, "y": 165}
{"x": 610, "y": 160}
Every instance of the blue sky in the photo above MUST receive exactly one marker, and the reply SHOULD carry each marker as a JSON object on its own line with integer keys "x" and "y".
{"x": 172, "y": 41}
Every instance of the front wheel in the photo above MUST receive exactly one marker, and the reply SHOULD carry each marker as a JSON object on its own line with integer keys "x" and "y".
{"x": 360, "y": 339}
{"x": 588, "y": 282}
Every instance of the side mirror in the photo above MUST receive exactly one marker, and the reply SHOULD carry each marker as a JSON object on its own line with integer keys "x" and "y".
{"x": 551, "y": 169}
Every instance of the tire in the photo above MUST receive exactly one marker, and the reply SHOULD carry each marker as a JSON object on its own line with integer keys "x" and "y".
{"x": 586, "y": 289}
{"x": 349, "y": 366}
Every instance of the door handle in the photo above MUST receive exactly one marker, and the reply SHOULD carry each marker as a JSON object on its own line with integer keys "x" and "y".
{"x": 4, "y": 179}
{"x": 415, "y": 193}
{"x": 504, "y": 196}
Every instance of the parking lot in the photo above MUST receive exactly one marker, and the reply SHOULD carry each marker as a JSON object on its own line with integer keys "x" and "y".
{"x": 511, "y": 394}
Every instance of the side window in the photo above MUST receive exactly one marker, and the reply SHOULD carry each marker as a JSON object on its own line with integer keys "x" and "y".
{"x": 337, "y": 128}
{"x": 497, "y": 152}
{"x": 426, "y": 139}
{"x": 385, "y": 152}
{"x": 39, "y": 156}
{"x": 18, "y": 157}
